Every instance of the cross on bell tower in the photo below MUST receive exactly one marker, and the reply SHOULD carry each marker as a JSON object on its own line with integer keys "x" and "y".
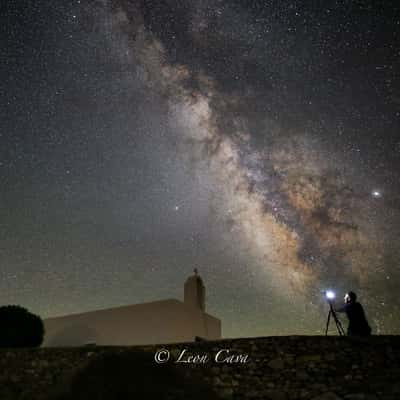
{"x": 195, "y": 292}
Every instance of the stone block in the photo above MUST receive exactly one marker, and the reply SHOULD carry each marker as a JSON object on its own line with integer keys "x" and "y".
{"x": 328, "y": 396}
{"x": 276, "y": 363}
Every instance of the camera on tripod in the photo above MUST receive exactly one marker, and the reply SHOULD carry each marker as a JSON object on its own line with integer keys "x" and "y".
{"x": 330, "y": 296}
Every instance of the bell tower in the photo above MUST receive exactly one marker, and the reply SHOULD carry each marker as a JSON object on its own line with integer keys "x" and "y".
{"x": 195, "y": 292}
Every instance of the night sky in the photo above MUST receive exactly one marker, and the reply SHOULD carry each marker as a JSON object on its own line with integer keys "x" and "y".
{"x": 258, "y": 141}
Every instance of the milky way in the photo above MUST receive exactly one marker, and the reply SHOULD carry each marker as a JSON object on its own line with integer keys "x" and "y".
{"x": 291, "y": 200}
{"x": 278, "y": 127}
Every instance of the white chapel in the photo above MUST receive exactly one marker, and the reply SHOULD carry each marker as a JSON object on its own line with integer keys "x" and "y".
{"x": 163, "y": 321}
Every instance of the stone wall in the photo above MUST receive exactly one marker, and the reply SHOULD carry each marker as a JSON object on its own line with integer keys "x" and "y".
{"x": 280, "y": 368}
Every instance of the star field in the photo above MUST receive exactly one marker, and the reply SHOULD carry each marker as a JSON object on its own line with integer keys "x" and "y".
{"x": 257, "y": 141}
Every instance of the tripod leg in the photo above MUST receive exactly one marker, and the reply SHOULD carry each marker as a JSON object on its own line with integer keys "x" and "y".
{"x": 338, "y": 324}
{"x": 327, "y": 323}
{"x": 341, "y": 328}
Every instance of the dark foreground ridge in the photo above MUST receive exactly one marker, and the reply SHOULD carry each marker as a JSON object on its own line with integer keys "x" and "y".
{"x": 278, "y": 368}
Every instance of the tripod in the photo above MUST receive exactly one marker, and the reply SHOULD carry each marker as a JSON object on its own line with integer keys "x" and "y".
{"x": 335, "y": 318}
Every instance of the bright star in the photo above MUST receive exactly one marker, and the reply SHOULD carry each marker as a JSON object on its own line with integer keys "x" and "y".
{"x": 376, "y": 193}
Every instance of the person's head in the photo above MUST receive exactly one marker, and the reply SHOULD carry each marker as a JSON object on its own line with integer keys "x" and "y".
{"x": 350, "y": 297}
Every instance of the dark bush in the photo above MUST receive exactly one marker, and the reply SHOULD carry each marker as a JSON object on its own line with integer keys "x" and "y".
{"x": 19, "y": 327}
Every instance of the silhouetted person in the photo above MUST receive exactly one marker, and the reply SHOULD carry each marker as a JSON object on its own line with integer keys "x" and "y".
{"x": 358, "y": 324}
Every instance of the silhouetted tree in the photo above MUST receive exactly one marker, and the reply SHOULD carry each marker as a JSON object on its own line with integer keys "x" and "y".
{"x": 19, "y": 327}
